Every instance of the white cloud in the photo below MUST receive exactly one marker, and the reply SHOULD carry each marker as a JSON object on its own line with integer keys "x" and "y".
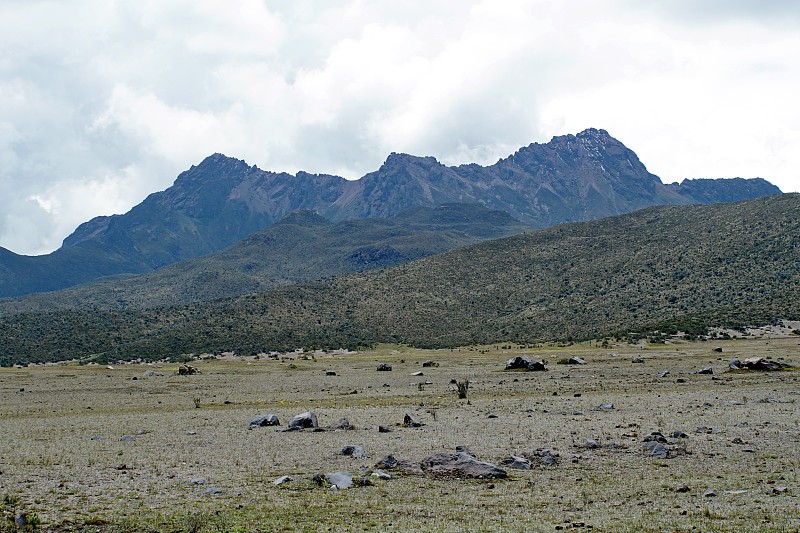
{"x": 104, "y": 102}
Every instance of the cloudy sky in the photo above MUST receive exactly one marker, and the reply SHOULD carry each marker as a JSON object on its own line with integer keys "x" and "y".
{"x": 103, "y": 102}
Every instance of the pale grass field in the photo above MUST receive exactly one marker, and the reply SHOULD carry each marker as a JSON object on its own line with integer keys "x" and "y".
{"x": 62, "y": 456}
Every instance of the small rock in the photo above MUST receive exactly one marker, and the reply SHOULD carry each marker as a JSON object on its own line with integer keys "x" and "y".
{"x": 679, "y": 435}
{"x": 638, "y": 360}
{"x": 417, "y": 373}
{"x": 706, "y": 370}
{"x": 380, "y": 474}
{"x": 281, "y": 480}
{"x": 656, "y": 449}
{"x": 735, "y": 364}
{"x": 344, "y": 423}
{"x": 387, "y": 462}
{"x": 384, "y": 367}
{"x": 710, "y": 493}
{"x": 779, "y": 489}
{"x": 519, "y": 463}
{"x": 663, "y": 374}
{"x": 264, "y": 420}
{"x": 717, "y": 349}
{"x": 605, "y": 407}
{"x": 384, "y": 429}
{"x": 429, "y": 364}
{"x": 463, "y": 448}
{"x": 411, "y": 422}
{"x": 198, "y": 481}
{"x": 357, "y": 452}
{"x": 212, "y": 491}
{"x": 330, "y": 373}
{"x": 127, "y": 438}
{"x": 149, "y": 373}
{"x": 683, "y": 489}
{"x": 591, "y": 444}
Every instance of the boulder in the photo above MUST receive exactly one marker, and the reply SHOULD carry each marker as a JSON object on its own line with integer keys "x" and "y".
{"x": 304, "y": 420}
{"x": 340, "y": 480}
{"x": 521, "y": 362}
{"x": 759, "y": 363}
{"x": 460, "y": 464}
{"x": 384, "y": 367}
{"x": 356, "y": 452}
{"x": 264, "y": 420}
{"x": 411, "y": 422}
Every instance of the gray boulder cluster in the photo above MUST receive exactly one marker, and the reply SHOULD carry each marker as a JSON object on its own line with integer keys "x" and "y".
{"x": 757, "y": 363}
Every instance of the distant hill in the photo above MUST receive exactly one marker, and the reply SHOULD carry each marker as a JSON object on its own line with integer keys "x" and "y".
{"x": 223, "y": 200}
{"x": 671, "y": 267}
{"x": 299, "y": 248}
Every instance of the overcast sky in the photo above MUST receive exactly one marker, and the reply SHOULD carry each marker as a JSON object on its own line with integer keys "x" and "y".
{"x": 103, "y": 102}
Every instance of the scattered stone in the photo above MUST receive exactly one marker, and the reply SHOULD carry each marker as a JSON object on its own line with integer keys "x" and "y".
{"x": 463, "y": 448}
{"x": 304, "y": 420}
{"x": 212, "y": 491}
{"x": 384, "y": 429}
{"x": 663, "y": 374}
{"x": 779, "y": 489}
{"x": 356, "y": 452}
{"x": 707, "y": 430}
{"x": 542, "y": 456}
{"x": 191, "y": 432}
{"x": 380, "y": 474}
{"x": 656, "y": 449}
{"x": 574, "y": 360}
{"x": 735, "y": 364}
{"x": 706, "y": 370}
{"x": 387, "y": 462}
{"x": 638, "y": 360}
{"x": 710, "y": 493}
{"x": 591, "y": 444}
{"x": 742, "y": 424}
{"x": 330, "y": 373}
{"x": 264, "y": 420}
{"x": 417, "y": 373}
{"x": 127, "y": 438}
{"x": 683, "y": 489}
{"x": 717, "y": 349}
{"x": 679, "y": 435}
{"x": 384, "y": 367}
{"x": 460, "y": 464}
{"x": 281, "y": 480}
{"x": 340, "y": 480}
{"x": 149, "y": 373}
{"x": 738, "y": 491}
{"x": 771, "y": 400}
{"x": 680, "y": 380}
{"x": 429, "y": 364}
{"x": 344, "y": 423}
{"x": 362, "y": 482}
{"x": 198, "y": 481}
{"x": 411, "y": 422}
{"x": 519, "y": 463}
{"x": 607, "y": 406}
{"x": 737, "y": 440}
{"x": 491, "y": 415}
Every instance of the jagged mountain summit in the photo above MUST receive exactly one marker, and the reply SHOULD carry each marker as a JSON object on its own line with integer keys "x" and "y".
{"x": 222, "y": 200}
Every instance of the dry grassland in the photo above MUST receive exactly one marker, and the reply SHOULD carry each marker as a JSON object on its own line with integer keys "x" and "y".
{"x": 65, "y": 460}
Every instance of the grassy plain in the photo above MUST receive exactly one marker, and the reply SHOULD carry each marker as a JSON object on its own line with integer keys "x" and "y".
{"x": 89, "y": 448}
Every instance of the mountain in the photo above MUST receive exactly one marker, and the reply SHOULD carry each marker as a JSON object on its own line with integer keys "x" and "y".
{"x": 664, "y": 268}
{"x": 222, "y": 200}
{"x": 301, "y": 247}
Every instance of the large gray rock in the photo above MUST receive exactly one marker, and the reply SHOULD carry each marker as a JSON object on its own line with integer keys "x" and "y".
{"x": 460, "y": 464}
{"x": 304, "y": 420}
{"x": 264, "y": 420}
{"x": 520, "y": 463}
{"x": 341, "y": 480}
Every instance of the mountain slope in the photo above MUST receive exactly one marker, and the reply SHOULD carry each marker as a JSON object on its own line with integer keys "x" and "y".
{"x": 222, "y": 200}
{"x": 723, "y": 264}
{"x": 301, "y": 247}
